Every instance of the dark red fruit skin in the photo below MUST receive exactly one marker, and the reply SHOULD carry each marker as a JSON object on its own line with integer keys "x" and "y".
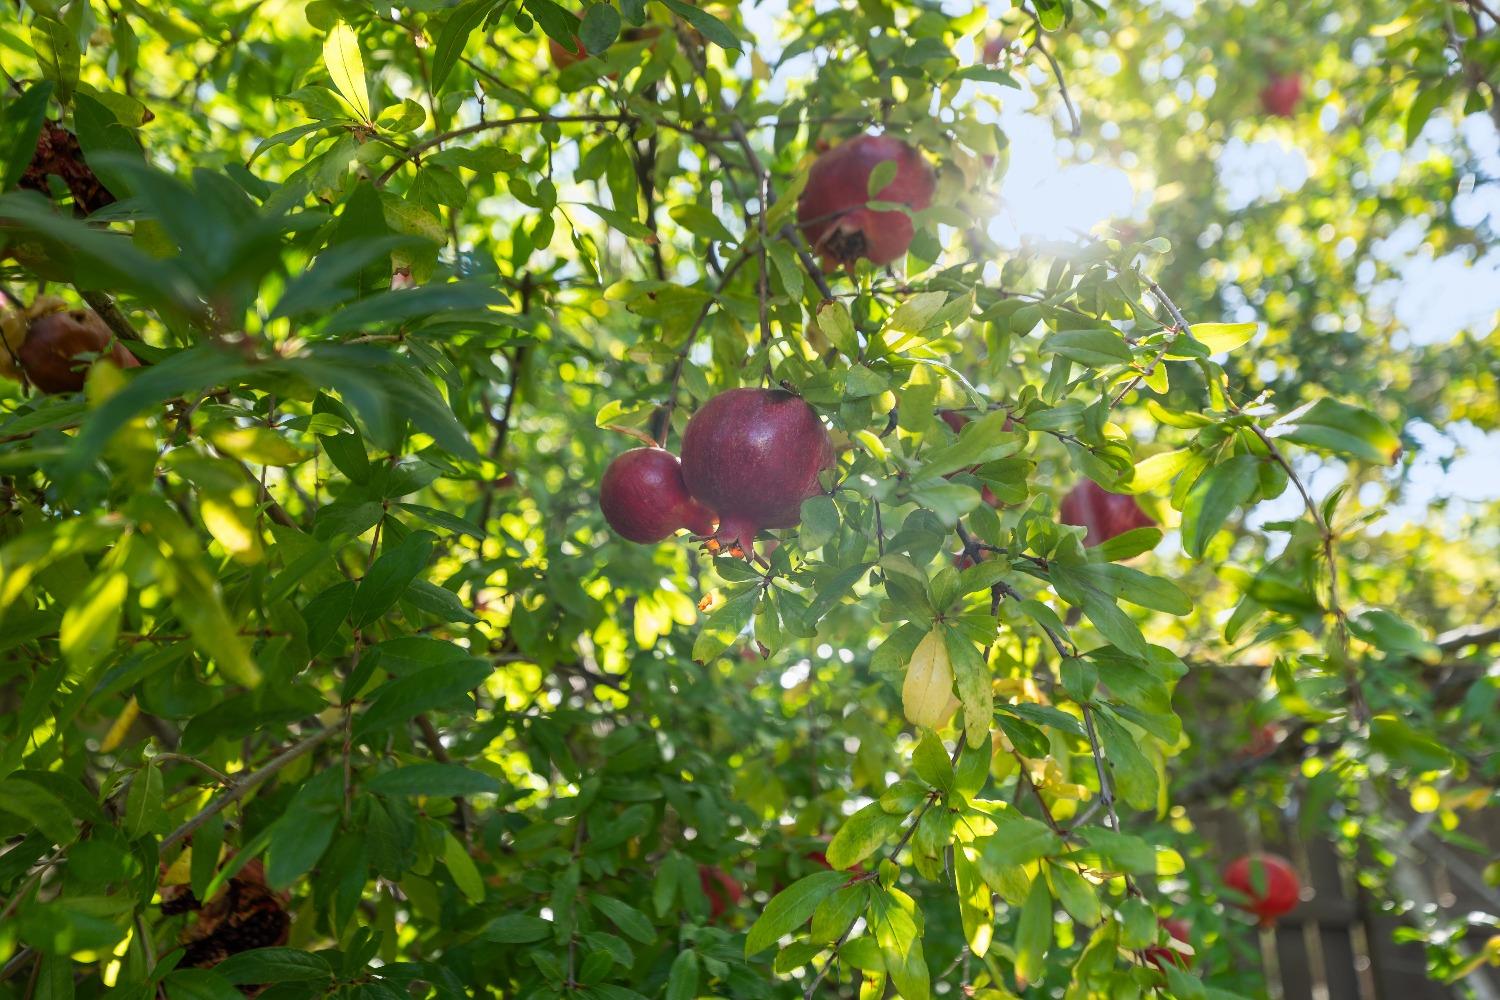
{"x": 832, "y": 210}
{"x": 1161, "y": 956}
{"x": 721, "y": 889}
{"x": 1282, "y": 891}
{"x": 50, "y": 352}
{"x": 1103, "y": 513}
{"x": 996, "y": 50}
{"x": 644, "y": 500}
{"x": 1281, "y": 93}
{"x": 753, "y": 455}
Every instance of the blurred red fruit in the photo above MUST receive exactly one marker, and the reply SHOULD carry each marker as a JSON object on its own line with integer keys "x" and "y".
{"x": 1161, "y": 955}
{"x": 1279, "y": 887}
{"x": 1104, "y": 514}
{"x": 722, "y": 891}
{"x": 1281, "y": 93}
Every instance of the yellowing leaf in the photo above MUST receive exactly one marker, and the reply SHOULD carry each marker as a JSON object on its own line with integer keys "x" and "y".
{"x": 92, "y": 622}
{"x": 257, "y": 445}
{"x": 1223, "y": 337}
{"x": 120, "y": 727}
{"x": 1155, "y": 471}
{"x": 928, "y": 690}
{"x": 232, "y": 526}
{"x": 347, "y": 67}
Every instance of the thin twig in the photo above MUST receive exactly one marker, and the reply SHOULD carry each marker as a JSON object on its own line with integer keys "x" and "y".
{"x": 1062, "y": 85}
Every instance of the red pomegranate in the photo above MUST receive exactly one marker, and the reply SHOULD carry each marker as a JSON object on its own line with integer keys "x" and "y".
{"x": 753, "y": 455}
{"x": 722, "y": 890}
{"x": 1161, "y": 955}
{"x": 997, "y": 50}
{"x": 55, "y": 341}
{"x": 1103, "y": 513}
{"x": 832, "y": 210}
{"x": 1279, "y": 888}
{"x": 643, "y": 497}
{"x": 1281, "y": 93}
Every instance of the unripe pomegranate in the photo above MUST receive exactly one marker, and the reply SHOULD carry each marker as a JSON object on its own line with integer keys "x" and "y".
{"x": 51, "y": 353}
{"x": 721, "y": 889}
{"x": 644, "y": 500}
{"x": 1161, "y": 955}
{"x": 753, "y": 455}
{"x": 1279, "y": 889}
{"x": 1103, "y": 513}
{"x": 832, "y": 211}
{"x": 1281, "y": 93}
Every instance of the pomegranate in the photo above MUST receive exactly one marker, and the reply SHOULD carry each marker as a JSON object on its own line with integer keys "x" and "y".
{"x": 1161, "y": 955}
{"x": 1281, "y": 93}
{"x": 50, "y": 354}
{"x": 722, "y": 890}
{"x": 833, "y": 208}
{"x": 562, "y": 58}
{"x": 1103, "y": 513}
{"x": 1279, "y": 889}
{"x": 997, "y": 50}
{"x": 753, "y": 455}
{"x": 644, "y": 500}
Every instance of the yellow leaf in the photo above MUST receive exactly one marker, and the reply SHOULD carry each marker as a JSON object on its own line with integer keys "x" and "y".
{"x": 928, "y": 691}
{"x": 121, "y": 726}
{"x": 1222, "y": 337}
{"x": 347, "y": 67}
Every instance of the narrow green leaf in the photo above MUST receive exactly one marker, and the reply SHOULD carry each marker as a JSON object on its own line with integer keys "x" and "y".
{"x": 791, "y": 908}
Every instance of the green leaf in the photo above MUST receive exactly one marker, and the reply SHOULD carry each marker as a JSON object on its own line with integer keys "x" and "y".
{"x": 975, "y": 688}
{"x": 455, "y": 35}
{"x": 274, "y": 965}
{"x": 1075, "y": 893}
{"x": 820, "y": 522}
{"x": 713, "y": 29}
{"x": 200, "y": 984}
{"x": 725, "y": 624}
{"x": 1330, "y": 425}
{"x": 461, "y": 866}
{"x": 516, "y": 928}
{"x": 91, "y": 624}
{"x": 682, "y": 980}
{"x": 837, "y": 325}
{"x": 1403, "y": 745}
{"x": 898, "y": 931}
{"x": 1134, "y": 774}
{"x": 20, "y": 126}
{"x": 790, "y": 909}
{"x": 58, "y": 52}
{"x": 930, "y": 761}
{"x": 1211, "y": 499}
{"x": 1033, "y": 934}
{"x": 400, "y": 699}
{"x": 433, "y": 780}
{"x": 1098, "y": 348}
{"x": 143, "y": 803}
{"x": 862, "y": 835}
{"x": 600, "y": 28}
{"x": 632, "y": 922}
{"x": 341, "y": 56}
{"x": 1020, "y": 840}
{"x": 390, "y": 575}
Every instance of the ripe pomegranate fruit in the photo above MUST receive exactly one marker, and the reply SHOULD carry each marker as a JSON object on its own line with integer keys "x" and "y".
{"x": 1279, "y": 889}
{"x": 753, "y": 455}
{"x": 721, "y": 889}
{"x": 1103, "y": 513}
{"x": 644, "y": 500}
{"x": 833, "y": 211}
{"x": 1281, "y": 93}
{"x": 55, "y": 339}
{"x": 1161, "y": 955}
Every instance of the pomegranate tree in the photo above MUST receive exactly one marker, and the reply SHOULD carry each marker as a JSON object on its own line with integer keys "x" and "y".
{"x": 1267, "y": 884}
{"x": 1281, "y": 93}
{"x": 644, "y": 500}
{"x": 1104, "y": 514}
{"x": 753, "y": 455}
{"x": 834, "y": 210}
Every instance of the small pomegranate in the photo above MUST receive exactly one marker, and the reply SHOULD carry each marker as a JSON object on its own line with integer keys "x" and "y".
{"x": 50, "y": 354}
{"x": 1281, "y": 93}
{"x": 722, "y": 890}
{"x": 997, "y": 50}
{"x": 1279, "y": 889}
{"x": 644, "y": 500}
{"x": 1103, "y": 513}
{"x": 1161, "y": 955}
{"x": 753, "y": 455}
{"x": 833, "y": 208}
